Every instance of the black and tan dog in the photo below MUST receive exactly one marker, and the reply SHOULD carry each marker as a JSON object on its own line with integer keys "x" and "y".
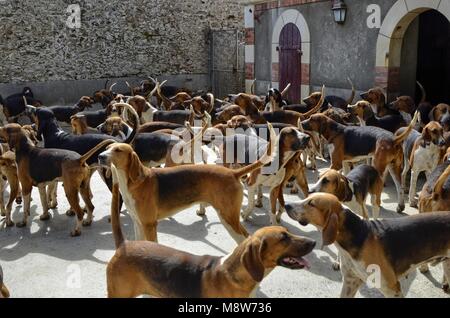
{"x": 39, "y": 167}
{"x": 354, "y": 188}
{"x": 149, "y": 196}
{"x": 435, "y": 195}
{"x": 141, "y": 267}
{"x": 4, "y": 292}
{"x": 348, "y": 143}
{"x": 367, "y": 117}
{"x": 392, "y": 247}
{"x": 64, "y": 113}
{"x": 8, "y": 171}
{"x": 333, "y": 101}
{"x": 378, "y": 101}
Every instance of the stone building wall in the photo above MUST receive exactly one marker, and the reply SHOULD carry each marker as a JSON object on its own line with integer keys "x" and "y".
{"x": 116, "y": 38}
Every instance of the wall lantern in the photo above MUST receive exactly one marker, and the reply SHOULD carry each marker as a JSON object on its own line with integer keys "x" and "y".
{"x": 339, "y": 11}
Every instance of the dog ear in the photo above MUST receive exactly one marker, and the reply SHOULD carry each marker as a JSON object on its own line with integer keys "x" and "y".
{"x": 367, "y": 112}
{"x": 330, "y": 230}
{"x": 135, "y": 170}
{"x": 251, "y": 259}
{"x": 426, "y": 135}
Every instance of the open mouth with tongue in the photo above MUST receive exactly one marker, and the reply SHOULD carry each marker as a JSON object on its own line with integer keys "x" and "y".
{"x": 294, "y": 262}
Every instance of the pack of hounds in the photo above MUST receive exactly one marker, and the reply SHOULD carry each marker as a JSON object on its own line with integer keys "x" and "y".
{"x": 155, "y": 138}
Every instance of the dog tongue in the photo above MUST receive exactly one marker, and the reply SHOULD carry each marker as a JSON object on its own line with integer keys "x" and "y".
{"x": 299, "y": 261}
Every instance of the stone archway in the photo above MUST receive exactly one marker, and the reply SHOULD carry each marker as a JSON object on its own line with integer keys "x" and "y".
{"x": 390, "y": 39}
{"x": 295, "y": 17}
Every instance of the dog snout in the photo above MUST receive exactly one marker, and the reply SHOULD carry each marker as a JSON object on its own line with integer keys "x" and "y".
{"x": 306, "y": 125}
{"x": 103, "y": 159}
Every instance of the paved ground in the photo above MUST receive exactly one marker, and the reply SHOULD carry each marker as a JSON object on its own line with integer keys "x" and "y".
{"x": 43, "y": 261}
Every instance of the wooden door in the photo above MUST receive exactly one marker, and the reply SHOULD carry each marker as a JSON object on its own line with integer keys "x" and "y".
{"x": 290, "y": 61}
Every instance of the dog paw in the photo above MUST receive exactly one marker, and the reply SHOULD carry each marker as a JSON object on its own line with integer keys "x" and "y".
{"x": 21, "y": 224}
{"x": 70, "y": 213}
{"x": 109, "y": 219}
{"x": 259, "y": 205}
{"x": 44, "y": 217}
{"x": 413, "y": 204}
{"x": 289, "y": 185}
{"x": 19, "y": 200}
{"x": 445, "y": 288}
{"x": 424, "y": 269}
{"x": 9, "y": 223}
{"x": 401, "y": 208}
{"x": 201, "y": 212}
{"x": 53, "y": 206}
{"x": 87, "y": 222}
{"x": 336, "y": 266}
{"x": 294, "y": 191}
{"x": 75, "y": 233}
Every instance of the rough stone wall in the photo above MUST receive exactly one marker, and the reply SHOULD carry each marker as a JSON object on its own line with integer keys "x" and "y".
{"x": 117, "y": 38}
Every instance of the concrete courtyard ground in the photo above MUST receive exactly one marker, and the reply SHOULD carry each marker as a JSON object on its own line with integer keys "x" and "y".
{"x": 42, "y": 260}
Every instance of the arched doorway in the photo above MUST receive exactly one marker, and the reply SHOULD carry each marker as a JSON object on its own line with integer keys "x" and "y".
{"x": 293, "y": 18}
{"x": 411, "y": 46}
{"x": 290, "y": 61}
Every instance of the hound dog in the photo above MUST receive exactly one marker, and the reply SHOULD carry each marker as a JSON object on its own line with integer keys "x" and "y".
{"x": 149, "y": 196}
{"x": 354, "y": 188}
{"x": 158, "y": 125}
{"x": 115, "y": 126}
{"x": 406, "y": 105}
{"x": 367, "y": 117}
{"x": 246, "y": 100}
{"x": 80, "y": 127}
{"x": 105, "y": 95}
{"x": 64, "y": 113}
{"x": 39, "y": 167}
{"x": 4, "y": 292}
{"x": 377, "y": 99}
{"x": 95, "y": 118}
{"x": 14, "y": 106}
{"x": 290, "y": 141}
{"x": 275, "y": 99}
{"x": 354, "y": 143}
{"x": 422, "y": 152}
{"x": 8, "y": 171}
{"x": 141, "y": 267}
{"x": 394, "y": 246}
{"x": 334, "y": 101}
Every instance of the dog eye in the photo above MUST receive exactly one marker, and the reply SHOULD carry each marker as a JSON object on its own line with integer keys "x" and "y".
{"x": 284, "y": 237}
{"x": 325, "y": 180}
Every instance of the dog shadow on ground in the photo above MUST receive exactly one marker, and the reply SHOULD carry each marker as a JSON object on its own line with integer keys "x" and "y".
{"x": 54, "y": 237}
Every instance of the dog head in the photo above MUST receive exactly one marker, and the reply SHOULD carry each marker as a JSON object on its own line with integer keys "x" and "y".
{"x": 333, "y": 182}
{"x": 322, "y": 210}
{"x": 274, "y": 97}
{"x": 274, "y": 246}
{"x": 434, "y": 133}
{"x": 43, "y": 118}
{"x": 239, "y": 121}
{"x": 292, "y": 140}
{"x": 317, "y": 122}
{"x": 113, "y": 126}
{"x": 85, "y": 102}
{"x": 439, "y": 112}
{"x": 313, "y": 99}
{"x": 403, "y": 104}
{"x": 375, "y": 96}
{"x": 123, "y": 158}
{"x": 361, "y": 109}
{"x": 12, "y": 134}
{"x": 79, "y": 124}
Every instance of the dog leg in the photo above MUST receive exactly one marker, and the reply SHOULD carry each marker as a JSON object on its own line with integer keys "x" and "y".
{"x": 201, "y": 209}
{"x": 394, "y": 291}
{"x": 396, "y": 176}
{"x": 74, "y": 201}
{"x": 365, "y": 214}
{"x": 150, "y": 232}
{"x": 26, "y": 207}
{"x": 274, "y": 220}
{"x": 351, "y": 285}
{"x": 43, "y": 194}
{"x": 233, "y": 226}
{"x": 86, "y": 195}
{"x": 2, "y": 202}
{"x": 376, "y": 205}
{"x": 259, "y": 197}
{"x": 52, "y": 195}
{"x": 405, "y": 173}
{"x": 412, "y": 188}
{"x": 251, "y": 203}
{"x": 446, "y": 280}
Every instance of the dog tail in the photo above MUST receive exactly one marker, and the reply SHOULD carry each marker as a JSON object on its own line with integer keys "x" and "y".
{"x": 269, "y": 155}
{"x": 424, "y": 93}
{"x": 136, "y": 123}
{"x": 130, "y": 87}
{"x": 352, "y": 97}
{"x": 94, "y": 150}
{"x": 115, "y": 217}
{"x": 401, "y": 138}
